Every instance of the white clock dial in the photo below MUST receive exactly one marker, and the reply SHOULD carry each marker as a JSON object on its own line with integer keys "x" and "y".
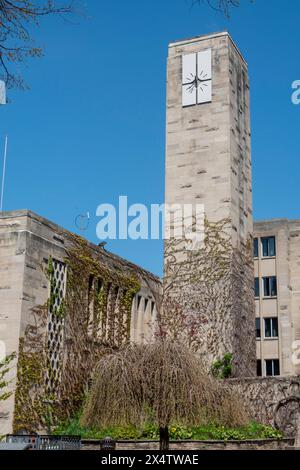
{"x": 196, "y": 78}
{"x": 188, "y": 68}
{"x": 204, "y": 65}
{"x": 204, "y": 92}
{"x": 189, "y": 95}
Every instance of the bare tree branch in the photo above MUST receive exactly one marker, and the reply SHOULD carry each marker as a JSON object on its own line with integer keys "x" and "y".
{"x": 16, "y": 43}
{"x": 222, "y": 6}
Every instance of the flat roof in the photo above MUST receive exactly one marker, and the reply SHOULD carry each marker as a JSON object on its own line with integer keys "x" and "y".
{"x": 204, "y": 37}
{"x": 30, "y": 214}
{"x": 282, "y": 220}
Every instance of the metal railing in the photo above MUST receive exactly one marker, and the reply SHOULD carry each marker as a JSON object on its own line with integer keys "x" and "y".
{"x": 45, "y": 442}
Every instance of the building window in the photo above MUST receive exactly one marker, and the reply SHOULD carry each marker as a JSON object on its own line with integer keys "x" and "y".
{"x": 270, "y": 286}
{"x": 272, "y": 367}
{"x": 256, "y": 287}
{"x": 268, "y": 247}
{"x": 255, "y": 248}
{"x": 258, "y": 329}
{"x": 56, "y": 323}
{"x": 258, "y": 368}
{"x": 271, "y": 327}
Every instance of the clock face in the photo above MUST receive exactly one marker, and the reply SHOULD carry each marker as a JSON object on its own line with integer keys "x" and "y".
{"x": 196, "y": 78}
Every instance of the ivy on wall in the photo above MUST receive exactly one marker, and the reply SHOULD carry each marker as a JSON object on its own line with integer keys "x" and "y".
{"x": 29, "y": 396}
{"x": 96, "y": 315}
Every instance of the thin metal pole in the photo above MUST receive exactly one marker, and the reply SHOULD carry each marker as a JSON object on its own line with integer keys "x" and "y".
{"x": 3, "y": 174}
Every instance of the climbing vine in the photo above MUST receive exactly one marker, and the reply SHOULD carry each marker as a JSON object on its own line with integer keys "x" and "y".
{"x": 29, "y": 397}
{"x": 5, "y": 365}
{"x": 207, "y": 297}
{"x": 95, "y": 316}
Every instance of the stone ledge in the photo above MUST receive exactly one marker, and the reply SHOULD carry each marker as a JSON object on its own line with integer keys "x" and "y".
{"x": 259, "y": 444}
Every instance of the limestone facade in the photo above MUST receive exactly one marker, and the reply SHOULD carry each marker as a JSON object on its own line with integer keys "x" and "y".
{"x": 208, "y": 162}
{"x": 277, "y": 261}
{"x": 26, "y": 243}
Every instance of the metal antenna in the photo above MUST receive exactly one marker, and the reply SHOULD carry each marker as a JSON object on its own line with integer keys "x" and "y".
{"x": 3, "y": 174}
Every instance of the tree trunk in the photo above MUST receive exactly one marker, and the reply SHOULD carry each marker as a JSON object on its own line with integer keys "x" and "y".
{"x": 164, "y": 438}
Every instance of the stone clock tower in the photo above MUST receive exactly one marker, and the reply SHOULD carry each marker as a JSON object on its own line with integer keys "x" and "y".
{"x": 208, "y": 160}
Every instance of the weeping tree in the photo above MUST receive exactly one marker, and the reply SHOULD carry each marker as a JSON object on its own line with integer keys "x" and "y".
{"x": 165, "y": 378}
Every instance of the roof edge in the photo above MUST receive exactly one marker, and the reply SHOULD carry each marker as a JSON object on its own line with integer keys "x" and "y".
{"x": 204, "y": 37}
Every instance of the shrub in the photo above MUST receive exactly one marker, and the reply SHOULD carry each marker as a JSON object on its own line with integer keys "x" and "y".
{"x": 222, "y": 368}
{"x": 149, "y": 431}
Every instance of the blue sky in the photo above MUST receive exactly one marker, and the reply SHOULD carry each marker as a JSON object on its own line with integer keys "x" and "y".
{"x": 92, "y": 126}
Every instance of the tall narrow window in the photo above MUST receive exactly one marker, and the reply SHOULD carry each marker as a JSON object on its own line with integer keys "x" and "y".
{"x": 256, "y": 287}
{"x": 270, "y": 286}
{"x": 271, "y": 327}
{"x": 268, "y": 247}
{"x": 255, "y": 248}
{"x": 272, "y": 367}
{"x": 56, "y": 323}
{"x": 258, "y": 368}
{"x": 258, "y": 329}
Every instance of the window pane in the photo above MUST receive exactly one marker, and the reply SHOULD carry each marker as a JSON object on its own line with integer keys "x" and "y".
{"x": 273, "y": 286}
{"x": 266, "y": 287}
{"x": 255, "y": 248}
{"x": 269, "y": 367}
{"x": 265, "y": 250}
{"x": 275, "y": 327}
{"x": 276, "y": 367}
{"x": 268, "y": 246}
{"x": 272, "y": 249}
{"x": 257, "y": 323}
{"x": 258, "y": 368}
{"x": 256, "y": 287}
{"x": 268, "y": 330}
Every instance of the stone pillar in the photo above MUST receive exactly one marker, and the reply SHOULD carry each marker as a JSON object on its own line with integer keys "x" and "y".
{"x": 208, "y": 162}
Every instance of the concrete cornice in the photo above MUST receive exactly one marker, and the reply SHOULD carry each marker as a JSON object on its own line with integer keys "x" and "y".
{"x": 205, "y": 37}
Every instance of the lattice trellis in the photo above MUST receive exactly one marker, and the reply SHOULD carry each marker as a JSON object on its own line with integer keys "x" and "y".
{"x": 55, "y": 335}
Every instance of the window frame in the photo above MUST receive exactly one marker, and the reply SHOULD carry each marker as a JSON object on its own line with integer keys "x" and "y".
{"x": 257, "y": 280}
{"x": 259, "y": 368}
{"x": 255, "y": 248}
{"x": 273, "y": 367}
{"x": 262, "y": 247}
{"x": 265, "y": 296}
{"x": 258, "y": 319}
{"x": 271, "y": 319}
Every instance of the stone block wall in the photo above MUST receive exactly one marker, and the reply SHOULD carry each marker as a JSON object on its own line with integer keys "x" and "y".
{"x": 263, "y": 444}
{"x": 27, "y": 242}
{"x": 272, "y": 400}
{"x": 208, "y": 162}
